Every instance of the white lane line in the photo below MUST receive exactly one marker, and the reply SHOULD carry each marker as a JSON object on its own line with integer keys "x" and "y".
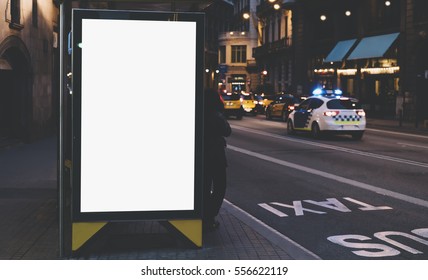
{"x": 295, "y": 250}
{"x": 330, "y": 176}
{"x": 331, "y": 147}
{"x": 398, "y": 133}
{"x": 411, "y": 145}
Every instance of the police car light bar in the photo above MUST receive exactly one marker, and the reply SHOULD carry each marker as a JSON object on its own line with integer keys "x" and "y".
{"x": 317, "y": 91}
{"x": 321, "y": 91}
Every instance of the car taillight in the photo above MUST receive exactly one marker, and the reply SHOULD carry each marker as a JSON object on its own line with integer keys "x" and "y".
{"x": 291, "y": 107}
{"x": 361, "y": 113}
{"x": 331, "y": 113}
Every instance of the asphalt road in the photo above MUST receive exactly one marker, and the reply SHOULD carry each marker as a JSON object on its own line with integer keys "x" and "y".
{"x": 337, "y": 197}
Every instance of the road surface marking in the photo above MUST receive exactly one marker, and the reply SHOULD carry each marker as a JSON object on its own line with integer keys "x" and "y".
{"x": 292, "y": 248}
{"x": 330, "y": 176}
{"x": 411, "y": 145}
{"x": 398, "y": 133}
{"x": 331, "y": 147}
{"x": 378, "y": 250}
{"x": 329, "y": 203}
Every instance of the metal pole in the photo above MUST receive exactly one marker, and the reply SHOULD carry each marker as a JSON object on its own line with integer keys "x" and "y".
{"x": 61, "y": 133}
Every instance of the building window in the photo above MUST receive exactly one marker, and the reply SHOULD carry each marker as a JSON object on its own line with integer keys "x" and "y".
{"x": 15, "y": 11}
{"x": 388, "y": 16}
{"x": 280, "y": 72}
{"x": 239, "y": 54}
{"x": 266, "y": 33}
{"x": 286, "y": 27}
{"x": 420, "y": 9}
{"x": 272, "y": 35}
{"x": 15, "y": 14}
{"x": 222, "y": 54}
{"x": 35, "y": 15}
{"x": 324, "y": 25}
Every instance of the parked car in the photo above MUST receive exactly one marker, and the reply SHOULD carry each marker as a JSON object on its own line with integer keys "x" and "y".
{"x": 327, "y": 111}
{"x": 281, "y": 106}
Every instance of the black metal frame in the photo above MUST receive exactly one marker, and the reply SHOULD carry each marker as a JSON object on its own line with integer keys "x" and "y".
{"x": 77, "y": 17}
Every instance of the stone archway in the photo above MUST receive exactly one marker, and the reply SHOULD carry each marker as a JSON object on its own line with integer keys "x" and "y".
{"x": 16, "y": 90}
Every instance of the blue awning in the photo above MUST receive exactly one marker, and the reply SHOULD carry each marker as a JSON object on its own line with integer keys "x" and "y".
{"x": 339, "y": 52}
{"x": 374, "y": 46}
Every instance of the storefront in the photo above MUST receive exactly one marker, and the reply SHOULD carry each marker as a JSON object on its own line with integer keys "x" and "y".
{"x": 368, "y": 69}
{"x": 237, "y": 83}
{"x": 377, "y": 87}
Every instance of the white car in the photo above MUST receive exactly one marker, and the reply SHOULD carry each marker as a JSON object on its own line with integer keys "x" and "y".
{"x": 327, "y": 111}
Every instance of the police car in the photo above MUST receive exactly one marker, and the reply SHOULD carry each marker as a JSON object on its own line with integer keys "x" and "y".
{"x": 327, "y": 111}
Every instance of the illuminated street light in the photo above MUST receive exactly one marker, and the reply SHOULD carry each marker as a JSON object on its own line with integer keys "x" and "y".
{"x": 207, "y": 70}
{"x": 264, "y": 72}
{"x": 348, "y": 13}
{"x": 387, "y": 3}
{"x": 277, "y": 6}
{"x": 323, "y": 17}
{"x": 246, "y": 15}
{"x": 272, "y": 1}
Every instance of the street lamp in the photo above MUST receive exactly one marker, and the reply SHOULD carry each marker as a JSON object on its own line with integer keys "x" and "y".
{"x": 251, "y": 16}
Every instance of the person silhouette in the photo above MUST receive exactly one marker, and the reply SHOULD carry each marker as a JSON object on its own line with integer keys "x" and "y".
{"x": 216, "y": 128}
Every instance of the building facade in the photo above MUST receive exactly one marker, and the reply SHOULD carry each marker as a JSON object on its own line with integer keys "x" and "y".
{"x": 356, "y": 46}
{"x": 374, "y": 50}
{"x": 414, "y": 74}
{"x": 28, "y": 44}
{"x": 237, "y": 68}
{"x": 218, "y": 21}
{"x": 275, "y": 55}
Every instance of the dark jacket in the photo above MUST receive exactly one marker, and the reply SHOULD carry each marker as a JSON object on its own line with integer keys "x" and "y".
{"x": 216, "y": 128}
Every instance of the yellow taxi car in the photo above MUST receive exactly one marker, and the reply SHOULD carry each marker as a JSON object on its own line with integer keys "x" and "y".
{"x": 233, "y": 105}
{"x": 249, "y": 103}
{"x": 264, "y": 101}
{"x": 281, "y": 107}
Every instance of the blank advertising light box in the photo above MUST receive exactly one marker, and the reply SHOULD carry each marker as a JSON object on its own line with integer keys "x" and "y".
{"x": 137, "y": 97}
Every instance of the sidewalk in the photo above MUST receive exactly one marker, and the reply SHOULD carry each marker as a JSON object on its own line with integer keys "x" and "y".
{"x": 233, "y": 240}
{"x": 394, "y": 125}
{"x": 29, "y": 218}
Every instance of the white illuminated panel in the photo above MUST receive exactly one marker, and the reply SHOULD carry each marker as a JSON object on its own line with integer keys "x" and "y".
{"x": 138, "y": 117}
